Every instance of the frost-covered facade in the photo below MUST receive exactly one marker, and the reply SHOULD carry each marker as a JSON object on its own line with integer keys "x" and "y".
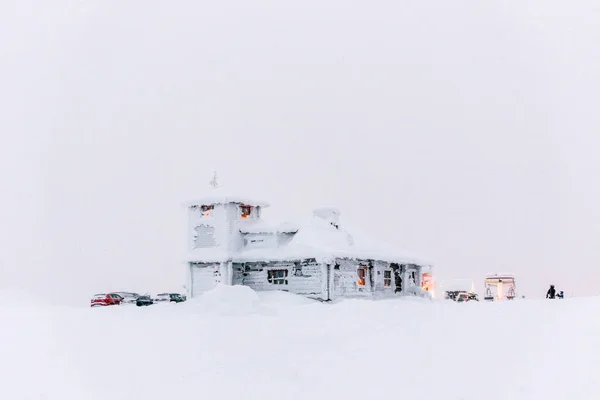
{"x": 230, "y": 243}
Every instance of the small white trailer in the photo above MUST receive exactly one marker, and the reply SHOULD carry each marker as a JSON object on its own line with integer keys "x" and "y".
{"x": 500, "y": 287}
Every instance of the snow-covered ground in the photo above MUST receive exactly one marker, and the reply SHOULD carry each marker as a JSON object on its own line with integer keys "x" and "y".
{"x": 238, "y": 344}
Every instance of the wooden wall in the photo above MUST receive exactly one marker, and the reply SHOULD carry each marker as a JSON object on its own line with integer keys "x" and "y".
{"x": 303, "y": 277}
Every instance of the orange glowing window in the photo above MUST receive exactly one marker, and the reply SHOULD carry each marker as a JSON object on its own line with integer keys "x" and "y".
{"x": 246, "y": 210}
{"x": 362, "y": 275}
{"x": 426, "y": 281}
{"x": 206, "y": 210}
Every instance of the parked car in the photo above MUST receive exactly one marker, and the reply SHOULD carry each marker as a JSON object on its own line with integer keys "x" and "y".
{"x": 143, "y": 301}
{"x": 473, "y": 296}
{"x": 451, "y": 294}
{"x": 466, "y": 296}
{"x": 460, "y": 295}
{"x": 128, "y": 297}
{"x": 168, "y": 297}
{"x": 106, "y": 299}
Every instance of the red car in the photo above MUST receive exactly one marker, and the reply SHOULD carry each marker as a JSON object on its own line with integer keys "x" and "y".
{"x": 106, "y": 299}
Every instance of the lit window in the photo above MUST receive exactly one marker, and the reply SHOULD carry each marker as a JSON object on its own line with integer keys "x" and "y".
{"x": 362, "y": 275}
{"x": 277, "y": 276}
{"x": 246, "y": 210}
{"x": 387, "y": 278}
{"x": 426, "y": 281}
{"x": 206, "y": 210}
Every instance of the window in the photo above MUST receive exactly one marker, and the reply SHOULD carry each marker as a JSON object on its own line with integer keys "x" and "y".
{"x": 362, "y": 276}
{"x": 246, "y": 210}
{"x": 207, "y": 210}
{"x": 278, "y": 276}
{"x": 204, "y": 236}
{"x": 387, "y": 278}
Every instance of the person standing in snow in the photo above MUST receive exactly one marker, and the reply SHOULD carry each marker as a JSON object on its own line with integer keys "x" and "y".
{"x": 551, "y": 292}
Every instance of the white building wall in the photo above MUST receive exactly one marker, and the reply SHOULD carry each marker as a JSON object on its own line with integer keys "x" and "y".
{"x": 203, "y": 277}
{"x": 304, "y": 278}
{"x": 205, "y": 231}
{"x": 260, "y": 240}
{"x": 345, "y": 279}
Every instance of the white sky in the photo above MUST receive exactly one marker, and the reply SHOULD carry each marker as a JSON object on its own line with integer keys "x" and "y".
{"x": 466, "y": 131}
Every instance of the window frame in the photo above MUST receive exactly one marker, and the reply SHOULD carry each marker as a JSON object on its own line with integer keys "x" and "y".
{"x": 387, "y": 278}
{"x": 246, "y": 210}
{"x": 362, "y": 281}
{"x": 206, "y": 210}
{"x": 273, "y": 276}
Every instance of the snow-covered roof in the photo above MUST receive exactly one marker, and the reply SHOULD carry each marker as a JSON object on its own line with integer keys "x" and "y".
{"x": 319, "y": 239}
{"x": 221, "y": 195}
{"x": 507, "y": 275}
{"x": 261, "y": 226}
{"x": 459, "y": 285}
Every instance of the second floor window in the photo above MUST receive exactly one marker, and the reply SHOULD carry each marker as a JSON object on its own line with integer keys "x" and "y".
{"x": 245, "y": 210}
{"x": 207, "y": 210}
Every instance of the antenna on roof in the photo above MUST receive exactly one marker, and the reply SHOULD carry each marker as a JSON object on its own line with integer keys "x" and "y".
{"x": 214, "y": 183}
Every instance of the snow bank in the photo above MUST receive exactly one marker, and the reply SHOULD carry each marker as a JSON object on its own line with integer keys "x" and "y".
{"x": 233, "y": 343}
{"x": 243, "y": 301}
{"x": 229, "y": 301}
{"x": 282, "y": 300}
{"x": 34, "y": 362}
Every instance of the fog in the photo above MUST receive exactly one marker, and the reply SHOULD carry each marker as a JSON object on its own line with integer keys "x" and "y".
{"x": 463, "y": 131}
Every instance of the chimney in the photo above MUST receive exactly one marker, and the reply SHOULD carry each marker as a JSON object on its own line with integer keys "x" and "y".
{"x": 329, "y": 214}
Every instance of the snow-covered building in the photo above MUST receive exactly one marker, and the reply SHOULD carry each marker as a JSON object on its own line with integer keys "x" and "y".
{"x": 230, "y": 243}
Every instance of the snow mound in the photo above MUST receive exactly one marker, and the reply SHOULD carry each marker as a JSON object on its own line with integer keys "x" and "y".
{"x": 281, "y": 299}
{"x": 228, "y": 300}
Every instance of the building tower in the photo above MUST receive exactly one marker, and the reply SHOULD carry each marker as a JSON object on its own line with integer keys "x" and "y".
{"x": 214, "y": 237}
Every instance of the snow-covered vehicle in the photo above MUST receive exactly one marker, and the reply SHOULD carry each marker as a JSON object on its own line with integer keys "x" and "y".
{"x": 128, "y": 297}
{"x": 105, "y": 299}
{"x": 143, "y": 301}
{"x": 168, "y": 298}
{"x": 466, "y": 296}
{"x": 459, "y": 290}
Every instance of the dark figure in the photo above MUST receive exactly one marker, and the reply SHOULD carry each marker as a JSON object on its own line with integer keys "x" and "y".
{"x": 398, "y": 282}
{"x": 551, "y": 292}
{"x": 561, "y": 295}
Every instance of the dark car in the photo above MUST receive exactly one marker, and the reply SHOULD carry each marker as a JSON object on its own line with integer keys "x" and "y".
{"x": 452, "y": 294}
{"x": 143, "y": 301}
{"x": 460, "y": 296}
{"x": 168, "y": 297}
{"x": 466, "y": 296}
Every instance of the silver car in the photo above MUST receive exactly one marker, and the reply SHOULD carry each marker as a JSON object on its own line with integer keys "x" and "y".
{"x": 128, "y": 297}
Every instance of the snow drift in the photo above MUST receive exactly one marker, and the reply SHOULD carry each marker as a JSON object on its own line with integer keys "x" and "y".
{"x": 228, "y": 301}
{"x": 234, "y": 343}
